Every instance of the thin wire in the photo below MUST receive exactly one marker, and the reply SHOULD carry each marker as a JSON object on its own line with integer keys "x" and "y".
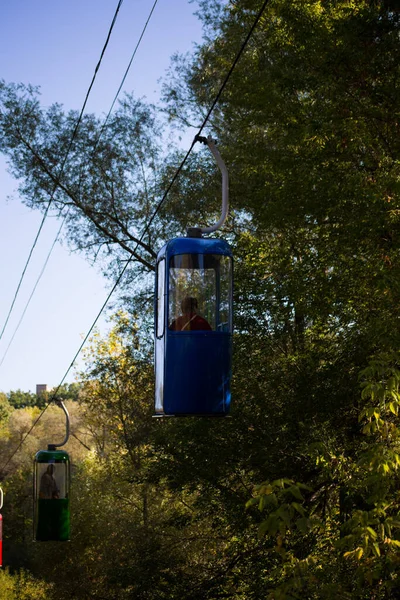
{"x": 59, "y": 231}
{"x": 24, "y": 270}
{"x": 127, "y": 71}
{"x": 61, "y": 169}
{"x": 80, "y": 441}
{"x": 22, "y": 441}
{"x": 258, "y": 17}
{"x": 54, "y": 395}
{"x": 33, "y": 291}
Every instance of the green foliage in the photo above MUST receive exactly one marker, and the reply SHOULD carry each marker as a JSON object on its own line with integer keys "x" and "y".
{"x": 22, "y": 586}
{"x": 20, "y": 399}
{"x": 5, "y": 408}
{"x": 373, "y": 533}
{"x": 68, "y": 391}
{"x": 308, "y": 126}
{"x": 360, "y": 518}
{"x": 283, "y": 500}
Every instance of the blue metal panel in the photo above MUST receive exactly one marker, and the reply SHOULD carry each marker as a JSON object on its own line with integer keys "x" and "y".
{"x": 197, "y": 373}
{"x": 194, "y": 246}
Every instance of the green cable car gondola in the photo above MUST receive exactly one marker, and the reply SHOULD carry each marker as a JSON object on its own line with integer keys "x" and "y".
{"x": 51, "y": 492}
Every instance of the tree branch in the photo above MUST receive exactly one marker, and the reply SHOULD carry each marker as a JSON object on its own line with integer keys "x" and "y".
{"x": 90, "y": 213}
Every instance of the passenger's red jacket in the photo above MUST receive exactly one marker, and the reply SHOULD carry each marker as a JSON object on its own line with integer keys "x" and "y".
{"x": 190, "y": 322}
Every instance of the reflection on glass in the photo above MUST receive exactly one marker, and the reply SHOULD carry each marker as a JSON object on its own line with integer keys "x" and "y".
{"x": 52, "y": 518}
{"x": 200, "y": 292}
{"x": 190, "y": 320}
{"x": 225, "y": 294}
{"x": 48, "y": 489}
{"x": 160, "y": 298}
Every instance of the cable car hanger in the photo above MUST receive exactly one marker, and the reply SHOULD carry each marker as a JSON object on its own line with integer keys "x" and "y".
{"x": 197, "y": 231}
{"x": 61, "y": 404}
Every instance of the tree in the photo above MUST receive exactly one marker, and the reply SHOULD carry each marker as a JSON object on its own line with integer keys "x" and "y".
{"x": 308, "y": 126}
{"x": 5, "y": 408}
{"x": 309, "y": 122}
{"x": 20, "y": 399}
{"x": 22, "y": 586}
{"x": 104, "y": 189}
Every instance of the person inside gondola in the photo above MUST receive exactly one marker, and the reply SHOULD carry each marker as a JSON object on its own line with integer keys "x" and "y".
{"x": 48, "y": 485}
{"x": 190, "y": 320}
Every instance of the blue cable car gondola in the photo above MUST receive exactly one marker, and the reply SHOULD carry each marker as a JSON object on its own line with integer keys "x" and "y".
{"x": 193, "y": 321}
{"x": 51, "y": 492}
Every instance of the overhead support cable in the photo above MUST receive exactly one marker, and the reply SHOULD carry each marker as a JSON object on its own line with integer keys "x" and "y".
{"x": 62, "y": 224}
{"x": 130, "y": 259}
{"x": 126, "y": 72}
{"x": 221, "y": 89}
{"x": 61, "y": 169}
{"x": 32, "y": 292}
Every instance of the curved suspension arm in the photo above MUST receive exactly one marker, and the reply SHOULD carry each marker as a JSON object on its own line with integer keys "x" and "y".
{"x": 61, "y": 404}
{"x": 225, "y": 184}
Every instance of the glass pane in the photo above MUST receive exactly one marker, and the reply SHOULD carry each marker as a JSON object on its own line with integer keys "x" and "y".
{"x": 52, "y": 515}
{"x": 199, "y": 292}
{"x": 160, "y": 298}
{"x": 225, "y": 300}
{"x": 52, "y": 481}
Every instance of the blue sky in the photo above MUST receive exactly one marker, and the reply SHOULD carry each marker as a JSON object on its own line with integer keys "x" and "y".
{"x": 56, "y": 45}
